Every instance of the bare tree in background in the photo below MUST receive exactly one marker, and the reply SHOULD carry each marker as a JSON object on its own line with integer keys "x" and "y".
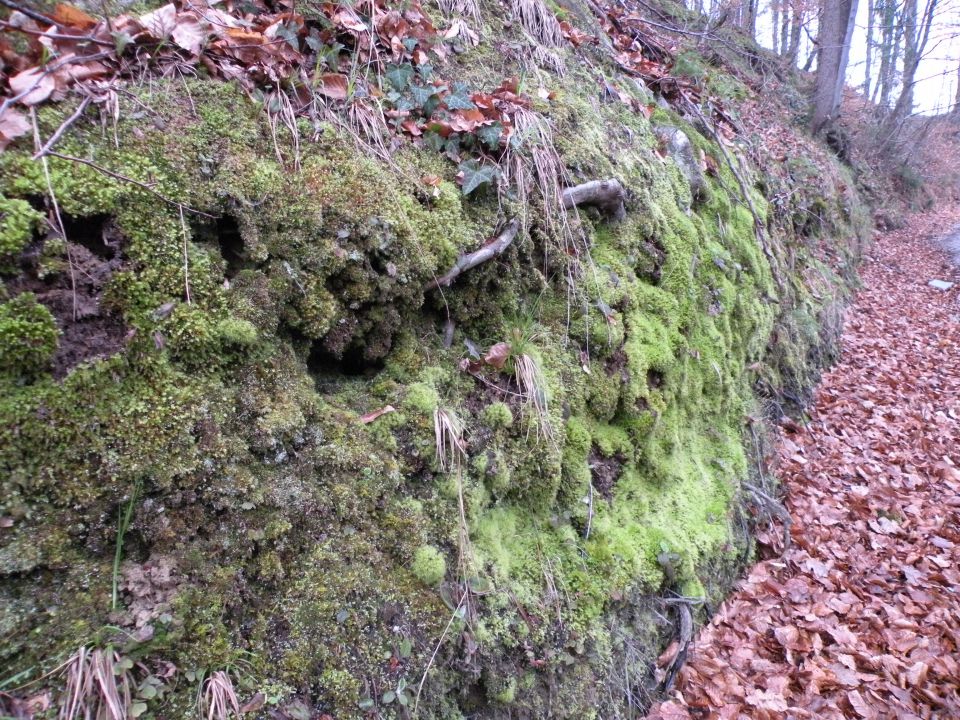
{"x": 916, "y": 37}
{"x": 836, "y": 31}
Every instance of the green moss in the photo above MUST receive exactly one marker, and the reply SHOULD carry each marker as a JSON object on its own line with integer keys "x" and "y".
{"x": 421, "y": 398}
{"x": 498, "y": 415}
{"x": 18, "y": 220}
{"x": 236, "y": 332}
{"x": 429, "y": 565}
{"x": 28, "y": 336}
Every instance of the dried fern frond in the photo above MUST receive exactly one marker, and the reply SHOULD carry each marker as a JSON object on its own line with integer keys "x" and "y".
{"x": 96, "y": 687}
{"x": 448, "y": 438}
{"x": 218, "y": 699}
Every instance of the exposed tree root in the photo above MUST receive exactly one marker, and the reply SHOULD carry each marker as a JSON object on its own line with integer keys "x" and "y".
{"x": 606, "y": 195}
{"x": 685, "y": 629}
{"x": 471, "y": 260}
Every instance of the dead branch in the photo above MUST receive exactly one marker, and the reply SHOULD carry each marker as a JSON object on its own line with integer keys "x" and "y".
{"x": 471, "y": 260}
{"x": 124, "y": 178}
{"x": 774, "y": 507}
{"x": 685, "y": 621}
{"x": 32, "y": 14}
{"x": 48, "y": 145}
{"x": 606, "y": 195}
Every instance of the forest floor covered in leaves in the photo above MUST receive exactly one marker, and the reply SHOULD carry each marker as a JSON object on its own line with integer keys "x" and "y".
{"x": 859, "y": 617}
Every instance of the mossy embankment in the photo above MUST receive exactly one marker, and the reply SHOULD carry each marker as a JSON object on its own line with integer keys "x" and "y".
{"x": 208, "y": 372}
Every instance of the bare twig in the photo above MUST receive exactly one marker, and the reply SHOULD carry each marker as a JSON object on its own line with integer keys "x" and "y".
{"x": 186, "y": 257}
{"x": 124, "y": 178}
{"x": 586, "y": 534}
{"x": 471, "y": 260}
{"x": 453, "y": 616}
{"x": 605, "y": 195}
{"x": 30, "y": 13}
{"x": 685, "y": 623}
{"x": 59, "y": 229}
{"x": 48, "y": 145}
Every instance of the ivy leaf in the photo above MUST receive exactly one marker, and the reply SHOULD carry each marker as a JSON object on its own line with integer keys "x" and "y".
{"x": 426, "y": 71}
{"x": 452, "y": 147}
{"x": 433, "y": 140}
{"x": 490, "y": 135}
{"x": 422, "y": 94}
{"x": 459, "y": 98}
{"x": 399, "y": 76}
{"x": 288, "y": 31}
{"x": 313, "y": 40}
{"x": 474, "y": 175}
{"x": 410, "y": 43}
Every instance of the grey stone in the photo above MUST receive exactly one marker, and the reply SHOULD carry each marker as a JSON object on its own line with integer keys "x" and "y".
{"x": 940, "y": 284}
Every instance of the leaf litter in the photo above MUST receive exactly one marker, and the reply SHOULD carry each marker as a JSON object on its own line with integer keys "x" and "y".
{"x": 860, "y": 616}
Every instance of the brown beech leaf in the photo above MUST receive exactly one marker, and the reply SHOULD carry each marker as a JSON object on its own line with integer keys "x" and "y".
{"x": 333, "y": 86}
{"x": 36, "y": 85}
{"x": 190, "y": 32}
{"x": 160, "y": 22}
{"x": 13, "y": 124}
{"x": 371, "y": 416}
{"x": 497, "y": 355}
{"x": 73, "y": 17}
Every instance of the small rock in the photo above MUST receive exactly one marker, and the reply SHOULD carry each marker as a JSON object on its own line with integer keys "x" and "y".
{"x": 940, "y": 284}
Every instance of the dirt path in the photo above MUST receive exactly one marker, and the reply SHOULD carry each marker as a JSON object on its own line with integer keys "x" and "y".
{"x": 860, "y": 618}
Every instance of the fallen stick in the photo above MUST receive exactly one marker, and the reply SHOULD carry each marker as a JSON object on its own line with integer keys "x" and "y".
{"x": 471, "y": 260}
{"x": 605, "y": 195}
{"x": 685, "y": 629}
{"x": 48, "y": 146}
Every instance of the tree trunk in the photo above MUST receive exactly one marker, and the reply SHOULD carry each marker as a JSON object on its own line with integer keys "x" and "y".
{"x": 796, "y": 28}
{"x": 836, "y": 30}
{"x": 916, "y": 33}
{"x": 775, "y": 9}
{"x": 868, "y": 65}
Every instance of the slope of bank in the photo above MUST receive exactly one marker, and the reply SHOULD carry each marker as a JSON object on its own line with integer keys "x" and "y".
{"x": 252, "y": 438}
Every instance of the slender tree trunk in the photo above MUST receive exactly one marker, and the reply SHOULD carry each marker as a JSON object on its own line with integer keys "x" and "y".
{"x": 775, "y": 9}
{"x": 784, "y": 27}
{"x": 836, "y": 31}
{"x": 796, "y": 28}
{"x": 916, "y": 33}
{"x": 868, "y": 65}
{"x": 955, "y": 112}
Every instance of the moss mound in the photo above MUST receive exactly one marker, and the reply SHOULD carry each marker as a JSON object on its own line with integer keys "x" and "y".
{"x": 218, "y": 484}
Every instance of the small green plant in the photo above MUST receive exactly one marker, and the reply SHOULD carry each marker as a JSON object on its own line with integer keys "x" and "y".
{"x": 123, "y": 524}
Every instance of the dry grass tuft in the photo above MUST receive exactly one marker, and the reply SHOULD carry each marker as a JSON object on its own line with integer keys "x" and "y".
{"x": 461, "y": 8}
{"x": 537, "y": 19}
{"x": 448, "y": 438}
{"x": 218, "y": 698}
{"x": 533, "y": 389}
{"x": 97, "y": 687}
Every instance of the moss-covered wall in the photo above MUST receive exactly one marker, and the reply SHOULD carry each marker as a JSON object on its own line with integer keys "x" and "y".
{"x": 185, "y": 473}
